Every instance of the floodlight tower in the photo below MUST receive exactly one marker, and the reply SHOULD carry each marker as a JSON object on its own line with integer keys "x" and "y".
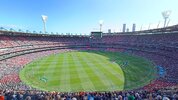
{"x": 158, "y": 24}
{"x": 168, "y": 23}
{"x": 149, "y": 26}
{"x": 141, "y": 27}
{"x": 166, "y": 15}
{"x": 101, "y": 24}
{"x": 44, "y": 19}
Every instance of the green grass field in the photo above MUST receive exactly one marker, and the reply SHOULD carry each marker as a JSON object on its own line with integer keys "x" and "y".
{"x": 88, "y": 71}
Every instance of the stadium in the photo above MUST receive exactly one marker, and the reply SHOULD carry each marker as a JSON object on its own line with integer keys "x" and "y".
{"x": 120, "y": 62}
{"x": 140, "y": 64}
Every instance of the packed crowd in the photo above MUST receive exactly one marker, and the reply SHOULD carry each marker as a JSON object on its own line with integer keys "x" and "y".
{"x": 16, "y": 41}
{"x": 11, "y": 44}
{"x": 162, "y": 94}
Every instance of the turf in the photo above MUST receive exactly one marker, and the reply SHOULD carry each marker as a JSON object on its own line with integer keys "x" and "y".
{"x": 88, "y": 71}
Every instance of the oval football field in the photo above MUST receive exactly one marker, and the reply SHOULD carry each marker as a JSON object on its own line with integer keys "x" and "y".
{"x": 86, "y": 71}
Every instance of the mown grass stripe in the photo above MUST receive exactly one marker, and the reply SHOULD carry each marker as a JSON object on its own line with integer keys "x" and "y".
{"x": 62, "y": 83}
{"x": 116, "y": 80}
{"x": 51, "y": 72}
{"x": 105, "y": 83}
{"x": 86, "y": 83}
{"x": 113, "y": 76}
{"x": 109, "y": 67}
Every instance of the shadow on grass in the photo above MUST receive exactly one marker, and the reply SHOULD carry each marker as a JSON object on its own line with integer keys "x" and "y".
{"x": 138, "y": 73}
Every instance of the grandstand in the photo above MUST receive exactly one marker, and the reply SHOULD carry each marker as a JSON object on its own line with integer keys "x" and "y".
{"x": 159, "y": 46}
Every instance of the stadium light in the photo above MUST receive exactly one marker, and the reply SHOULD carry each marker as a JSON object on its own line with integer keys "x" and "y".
{"x": 166, "y": 15}
{"x": 158, "y": 24}
{"x": 141, "y": 27}
{"x": 44, "y": 19}
{"x": 149, "y": 26}
{"x": 101, "y": 24}
{"x": 168, "y": 22}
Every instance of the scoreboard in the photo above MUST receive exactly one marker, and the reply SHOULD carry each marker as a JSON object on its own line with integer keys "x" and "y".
{"x": 96, "y": 35}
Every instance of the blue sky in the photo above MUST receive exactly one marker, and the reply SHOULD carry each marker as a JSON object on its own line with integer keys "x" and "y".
{"x": 82, "y": 16}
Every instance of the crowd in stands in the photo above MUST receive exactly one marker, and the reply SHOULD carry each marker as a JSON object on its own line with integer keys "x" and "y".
{"x": 14, "y": 41}
{"x": 162, "y": 94}
{"x": 161, "y": 49}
